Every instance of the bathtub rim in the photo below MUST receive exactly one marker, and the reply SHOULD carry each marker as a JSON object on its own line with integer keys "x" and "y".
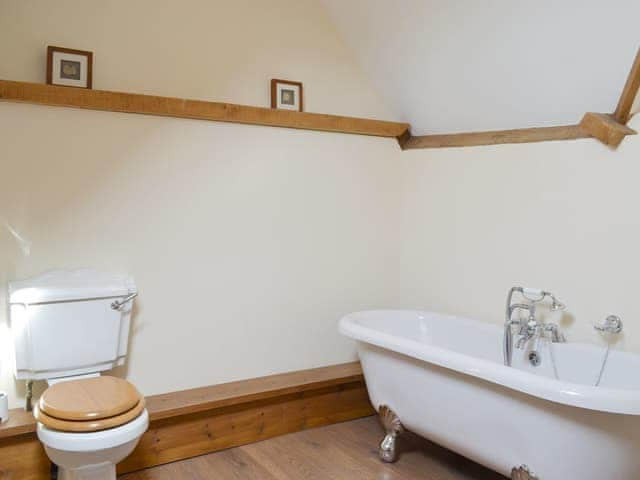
{"x": 601, "y": 399}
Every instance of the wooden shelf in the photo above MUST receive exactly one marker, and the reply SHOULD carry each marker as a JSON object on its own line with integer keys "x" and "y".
{"x": 195, "y": 109}
{"x": 20, "y": 422}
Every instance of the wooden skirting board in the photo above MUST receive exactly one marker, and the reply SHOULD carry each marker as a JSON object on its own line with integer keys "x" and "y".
{"x": 203, "y": 420}
{"x": 51, "y": 95}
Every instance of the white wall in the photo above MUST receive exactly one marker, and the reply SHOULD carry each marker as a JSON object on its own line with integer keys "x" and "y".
{"x": 467, "y": 65}
{"x": 222, "y": 50}
{"x": 247, "y": 243}
{"x": 476, "y": 221}
{"x": 562, "y": 216}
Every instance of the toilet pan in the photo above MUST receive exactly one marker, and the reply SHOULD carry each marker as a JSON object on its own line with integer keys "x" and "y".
{"x": 92, "y": 456}
{"x": 98, "y": 423}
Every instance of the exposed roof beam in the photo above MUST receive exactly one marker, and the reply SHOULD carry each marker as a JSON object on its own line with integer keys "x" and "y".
{"x": 629, "y": 93}
{"x": 611, "y": 129}
{"x": 605, "y": 128}
{"x": 520, "y": 135}
{"x": 404, "y": 138}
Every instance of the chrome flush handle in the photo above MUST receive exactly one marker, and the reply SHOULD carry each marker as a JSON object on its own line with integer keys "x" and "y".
{"x": 119, "y": 303}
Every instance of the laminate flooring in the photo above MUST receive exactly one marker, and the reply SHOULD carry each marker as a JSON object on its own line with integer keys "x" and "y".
{"x": 341, "y": 451}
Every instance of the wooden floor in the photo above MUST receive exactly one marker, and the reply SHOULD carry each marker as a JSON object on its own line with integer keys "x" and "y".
{"x": 340, "y": 451}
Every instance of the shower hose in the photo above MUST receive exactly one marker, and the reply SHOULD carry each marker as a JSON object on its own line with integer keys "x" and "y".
{"x": 602, "y": 366}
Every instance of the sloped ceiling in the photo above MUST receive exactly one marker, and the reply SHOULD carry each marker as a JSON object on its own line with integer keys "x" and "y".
{"x": 449, "y": 66}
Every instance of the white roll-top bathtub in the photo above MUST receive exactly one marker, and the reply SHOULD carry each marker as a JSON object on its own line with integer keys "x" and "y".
{"x": 445, "y": 379}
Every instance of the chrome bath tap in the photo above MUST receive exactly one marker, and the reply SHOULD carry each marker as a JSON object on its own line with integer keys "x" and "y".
{"x": 530, "y": 327}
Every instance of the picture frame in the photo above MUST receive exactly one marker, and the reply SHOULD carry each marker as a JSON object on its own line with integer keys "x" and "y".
{"x": 286, "y": 95}
{"x": 69, "y": 67}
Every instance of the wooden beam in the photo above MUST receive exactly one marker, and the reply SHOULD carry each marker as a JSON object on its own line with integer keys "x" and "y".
{"x": 521, "y": 135}
{"x": 629, "y": 93}
{"x": 404, "y": 138}
{"x": 605, "y": 128}
{"x": 195, "y": 109}
{"x": 203, "y": 420}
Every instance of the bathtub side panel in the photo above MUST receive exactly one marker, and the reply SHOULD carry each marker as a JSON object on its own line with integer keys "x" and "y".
{"x": 499, "y": 427}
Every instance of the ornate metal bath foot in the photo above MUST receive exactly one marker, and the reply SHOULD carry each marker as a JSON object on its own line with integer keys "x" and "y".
{"x": 392, "y": 425}
{"x": 522, "y": 473}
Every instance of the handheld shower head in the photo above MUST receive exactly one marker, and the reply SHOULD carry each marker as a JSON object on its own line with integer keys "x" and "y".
{"x": 533, "y": 294}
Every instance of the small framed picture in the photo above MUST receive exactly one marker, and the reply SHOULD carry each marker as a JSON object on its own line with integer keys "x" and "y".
{"x": 286, "y": 95}
{"x": 69, "y": 67}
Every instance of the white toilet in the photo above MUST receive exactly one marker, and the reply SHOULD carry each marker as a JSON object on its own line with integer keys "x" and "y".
{"x": 67, "y": 328}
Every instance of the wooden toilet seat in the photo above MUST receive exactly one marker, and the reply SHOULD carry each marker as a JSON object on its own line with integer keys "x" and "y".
{"x": 89, "y": 405}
